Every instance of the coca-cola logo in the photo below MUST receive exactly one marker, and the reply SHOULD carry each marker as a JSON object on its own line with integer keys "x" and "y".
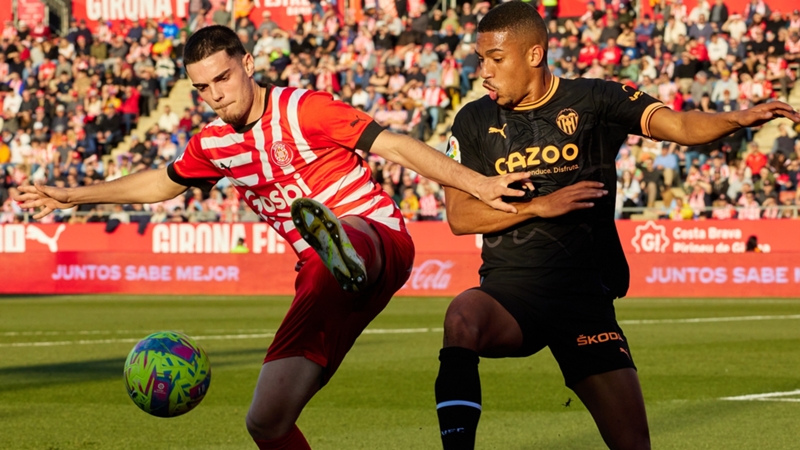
{"x": 432, "y": 274}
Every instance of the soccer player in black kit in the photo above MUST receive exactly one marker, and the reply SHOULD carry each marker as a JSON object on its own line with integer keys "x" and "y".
{"x": 551, "y": 271}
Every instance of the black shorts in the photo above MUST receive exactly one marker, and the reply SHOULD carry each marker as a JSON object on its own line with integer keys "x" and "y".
{"x": 583, "y": 334}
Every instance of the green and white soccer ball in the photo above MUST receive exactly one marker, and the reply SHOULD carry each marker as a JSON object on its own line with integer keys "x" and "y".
{"x": 167, "y": 374}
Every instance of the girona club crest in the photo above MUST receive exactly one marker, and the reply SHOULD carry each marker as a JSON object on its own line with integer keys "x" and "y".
{"x": 281, "y": 154}
{"x": 567, "y": 121}
{"x": 650, "y": 238}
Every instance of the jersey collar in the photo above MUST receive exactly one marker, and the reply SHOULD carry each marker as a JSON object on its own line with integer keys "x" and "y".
{"x": 545, "y": 98}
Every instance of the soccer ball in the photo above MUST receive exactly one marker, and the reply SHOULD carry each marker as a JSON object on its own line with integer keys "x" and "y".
{"x": 167, "y": 374}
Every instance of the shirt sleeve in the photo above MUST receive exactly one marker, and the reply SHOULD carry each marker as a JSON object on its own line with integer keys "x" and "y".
{"x": 462, "y": 146}
{"x": 625, "y": 106}
{"x": 337, "y": 122}
{"x": 192, "y": 169}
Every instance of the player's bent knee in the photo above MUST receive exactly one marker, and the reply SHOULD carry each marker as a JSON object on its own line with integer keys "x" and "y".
{"x": 462, "y": 327}
{"x": 268, "y": 425}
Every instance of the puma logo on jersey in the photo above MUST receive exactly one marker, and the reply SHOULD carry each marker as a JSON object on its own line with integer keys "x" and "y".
{"x": 355, "y": 122}
{"x": 501, "y": 131}
{"x": 228, "y": 163}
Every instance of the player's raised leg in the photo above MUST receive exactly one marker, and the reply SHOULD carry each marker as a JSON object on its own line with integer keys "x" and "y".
{"x": 475, "y": 325}
{"x": 321, "y": 326}
{"x": 615, "y": 401}
{"x": 323, "y": 231}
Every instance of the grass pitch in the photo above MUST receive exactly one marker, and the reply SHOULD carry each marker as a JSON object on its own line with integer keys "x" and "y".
{"x": 61, "y": 386}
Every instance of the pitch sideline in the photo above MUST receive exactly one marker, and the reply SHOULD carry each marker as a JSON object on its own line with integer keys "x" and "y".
{"x": 260, "y": 334}
{"x": 766, "y": 397}
{"x": 221, "y": 337}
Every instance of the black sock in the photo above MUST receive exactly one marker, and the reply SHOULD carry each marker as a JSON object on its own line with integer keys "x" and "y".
{"x": 458, "y": 397}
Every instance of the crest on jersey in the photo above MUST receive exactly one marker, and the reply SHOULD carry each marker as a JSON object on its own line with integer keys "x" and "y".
{"x": 454, "y": 149}
{"x": 567, "y": 121}
{"x": 281, "y": 154}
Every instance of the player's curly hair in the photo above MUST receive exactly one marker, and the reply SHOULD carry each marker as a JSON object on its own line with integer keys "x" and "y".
{"x": 209, "y": 40}
{"x": 516, "y": 17}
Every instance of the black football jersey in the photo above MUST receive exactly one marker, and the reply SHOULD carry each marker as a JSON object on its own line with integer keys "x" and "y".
{"x": 572, "y": 134}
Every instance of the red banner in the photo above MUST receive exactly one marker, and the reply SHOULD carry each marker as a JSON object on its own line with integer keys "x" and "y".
{"x": 667, "y": 259}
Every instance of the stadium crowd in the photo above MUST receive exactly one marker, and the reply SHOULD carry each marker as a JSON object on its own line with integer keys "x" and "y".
{"x": 68, "y": 101}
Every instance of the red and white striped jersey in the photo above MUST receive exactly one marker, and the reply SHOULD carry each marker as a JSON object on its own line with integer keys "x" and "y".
{"x": 301, "y": 147}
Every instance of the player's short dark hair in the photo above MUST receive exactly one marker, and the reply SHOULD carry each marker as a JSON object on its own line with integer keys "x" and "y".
{"x": 209, "y": 40}
{"x": 516, "y": 17}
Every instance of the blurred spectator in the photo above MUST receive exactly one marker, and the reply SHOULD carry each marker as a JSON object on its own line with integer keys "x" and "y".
{"x": 754, "y": 159}
{"x": 169, "y": 121}
{"x": 700, "y": 29}
{"x": 722, "y": 209}
{"x": 681, "y": 210}
{"x": 783, "y": 143}
{"x": 240, "y": 247}
{"x": 409, "y": 205}
{"x": 749, "y": 207}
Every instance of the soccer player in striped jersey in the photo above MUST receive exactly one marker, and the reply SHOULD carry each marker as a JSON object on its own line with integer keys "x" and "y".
{"x": 290, "y": 154}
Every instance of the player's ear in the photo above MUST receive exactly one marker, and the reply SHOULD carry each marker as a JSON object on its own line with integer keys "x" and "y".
{"x": 536, "y": 55}
{"x": 249, "y": 64}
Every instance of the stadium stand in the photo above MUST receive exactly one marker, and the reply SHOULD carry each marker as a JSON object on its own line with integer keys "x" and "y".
{"x": 94, "y": 105}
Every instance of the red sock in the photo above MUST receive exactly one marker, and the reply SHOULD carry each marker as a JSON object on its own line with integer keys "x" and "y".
{"x": 293, "y": 440}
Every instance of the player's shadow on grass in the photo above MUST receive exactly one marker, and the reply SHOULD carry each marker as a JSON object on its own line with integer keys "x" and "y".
{"x": 35, "y": 376}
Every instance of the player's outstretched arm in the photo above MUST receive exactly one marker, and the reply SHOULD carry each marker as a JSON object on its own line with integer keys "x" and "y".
{"x": 425, "y": 160}
{"x": 694, "y": 127}
{"x": 148, "y": 186}
{"x": 467, "y": 215}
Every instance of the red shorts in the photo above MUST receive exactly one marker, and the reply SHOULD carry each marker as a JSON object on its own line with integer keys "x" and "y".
{"x": 324, "y": 321}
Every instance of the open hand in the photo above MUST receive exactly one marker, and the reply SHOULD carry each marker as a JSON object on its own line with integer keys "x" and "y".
{"x": 47, "y": 198}
{"x": 490, "y": 190}
{"x": 763, "y": 113}
{"x": 577, "y": 196}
